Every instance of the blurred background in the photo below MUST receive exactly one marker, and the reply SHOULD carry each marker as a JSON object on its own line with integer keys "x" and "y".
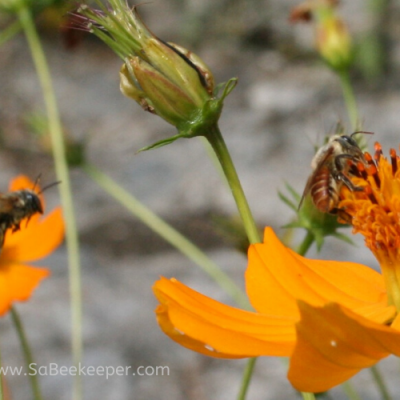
{"x": 286, "y": 101}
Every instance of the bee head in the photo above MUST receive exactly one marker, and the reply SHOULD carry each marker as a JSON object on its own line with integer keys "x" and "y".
{"x": 30, "y": 201}
{"x": 346, "y": 143}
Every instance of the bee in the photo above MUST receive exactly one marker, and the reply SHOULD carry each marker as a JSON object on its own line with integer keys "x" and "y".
{"x": 331, "y": 169}
{"x": 15, "y": 206}
{"x": 18, "y": 205}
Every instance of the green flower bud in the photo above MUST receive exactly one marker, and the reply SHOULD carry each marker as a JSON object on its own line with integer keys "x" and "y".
{"x": 169, "y": 100}
{"x": 333, "y": 40}
{"x": 163, "y": 78}
{"x": 130, "y": 88}
{"x": 202, "y": 69}
{"x": 177, "y": 69}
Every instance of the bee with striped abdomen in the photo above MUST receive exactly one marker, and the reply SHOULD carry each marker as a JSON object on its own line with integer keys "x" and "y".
{"x": 331, "y": 168}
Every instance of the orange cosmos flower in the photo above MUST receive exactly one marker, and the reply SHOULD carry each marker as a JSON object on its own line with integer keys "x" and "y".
{"x": 331, "y": 318}
{"x": 35, "y": 240}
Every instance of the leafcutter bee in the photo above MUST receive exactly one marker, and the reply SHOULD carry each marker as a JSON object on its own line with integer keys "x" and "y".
{"x": 18, "y": 205}
{"x": 332, "y": 166}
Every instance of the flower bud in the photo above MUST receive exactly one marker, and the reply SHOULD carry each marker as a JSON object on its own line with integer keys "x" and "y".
{"x": 130, "y": 88}
{"x": 167, "y": 99}
{"x": 163, "y": 78}
{"x": 333, "y": 40}
{"x": 334, "y": 43}
{"x": 178, "y": 69}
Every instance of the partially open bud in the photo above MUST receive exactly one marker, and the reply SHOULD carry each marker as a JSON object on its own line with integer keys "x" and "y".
{"x": 157, "y": 93}
{"x": 163, "y": 78}
{"x": 333, "y": 40}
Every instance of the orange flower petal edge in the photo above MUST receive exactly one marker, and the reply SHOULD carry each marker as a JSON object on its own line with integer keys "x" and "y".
{"x": 212, "y": 328}
{"x": 276, "y": 277}
{"x": 333, "y": 344}
{"x": 21, "y": 182}
{"x": 17, "y": 282}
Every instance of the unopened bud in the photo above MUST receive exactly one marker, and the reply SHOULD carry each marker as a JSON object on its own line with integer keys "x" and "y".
{"x": 334, "y": 43}
{"x": 333, "y": 40}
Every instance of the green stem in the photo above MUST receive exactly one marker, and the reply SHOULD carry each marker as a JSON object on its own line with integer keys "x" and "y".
{"x": 218, "y": 144}
{"x": 306, "y": 244}
{"x": 350, "y": 391}
{"x": 247, "y": 374}
{"x": 9, "y": 32}
{"x": 168, "y": 233}
{"x": 27, "y": 353}
{"x": 1, "y": 381}
{"x": 380, "y": 383}
{"x": 308, "y": 396}
{"x": 350, "y": 100}
{"x": 61, "y": 168}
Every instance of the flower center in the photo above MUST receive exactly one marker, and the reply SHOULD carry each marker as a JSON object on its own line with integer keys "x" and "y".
{"x": 374, "y": 212}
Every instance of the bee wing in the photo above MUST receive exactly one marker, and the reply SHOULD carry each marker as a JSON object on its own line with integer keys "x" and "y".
{"x": 7, "y": 203}
{"x": 320, "y": 164}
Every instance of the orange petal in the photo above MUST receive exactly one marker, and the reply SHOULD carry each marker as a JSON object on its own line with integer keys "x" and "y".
{"x": 17, "y": 282}
{"x": 276, "y": 277}
{"x": 333, "y": 344}
{"x": 21, "y": 182}
{"x": 184, "y": 340}
{"x": 36, "y": 240}
{"x": 209, "y": 327}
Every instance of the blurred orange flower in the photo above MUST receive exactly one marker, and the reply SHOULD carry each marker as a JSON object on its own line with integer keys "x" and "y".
{"x": 33, "y": 241}
{"x": 331, "y": 318}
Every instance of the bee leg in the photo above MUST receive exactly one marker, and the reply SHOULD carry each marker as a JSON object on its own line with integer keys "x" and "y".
{"x": 349, "y": 183}
{"x": 338, "y": 160}
{"x": 16, "y": 228}
{"x": 342, "y": 215}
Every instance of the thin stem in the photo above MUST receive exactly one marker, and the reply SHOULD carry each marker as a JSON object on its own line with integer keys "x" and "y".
{"x": 306, "y": 244}
{"x": 350, "y": 100}
{"x": 218, "y": 144}
{"x": 1, "y": 380}
{"x": 27, "y": 353}
{"x": 350, "y": 391}
{"x": 168, "y": 233}
{"x": 9, "y": 32}
{"x": 61, "y": 168}
{"x": 247, "y": 375}
{"x": 308, "y": 396}
{"x": 380, "y": 383}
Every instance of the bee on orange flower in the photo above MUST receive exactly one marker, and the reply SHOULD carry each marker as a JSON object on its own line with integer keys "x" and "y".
{"x": 332, "y": 165}
{"x": 18, "y": 205}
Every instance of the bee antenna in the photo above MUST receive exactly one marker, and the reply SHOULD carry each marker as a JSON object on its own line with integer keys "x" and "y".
{"x": 37, "y": 180}
{"x": 49, "y": 186}
{"x": 365, "y": 132}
